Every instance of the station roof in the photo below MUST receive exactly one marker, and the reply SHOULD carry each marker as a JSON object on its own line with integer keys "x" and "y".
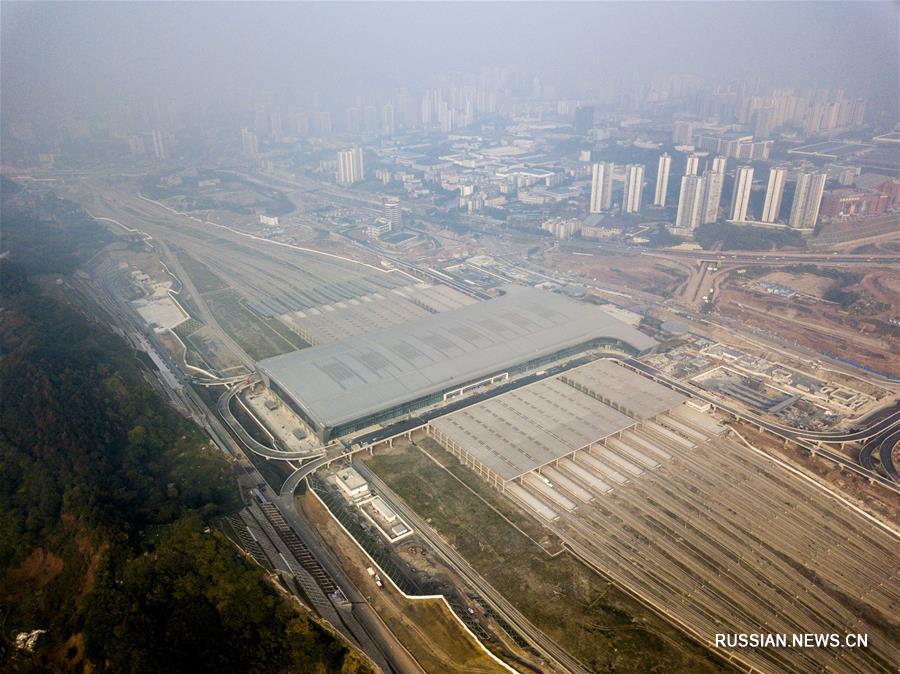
{"x": 364, "y": 374}
{"x": 635, "y": 395}
{"x": 520, "y": 431}
{"x": 523, "y": 430}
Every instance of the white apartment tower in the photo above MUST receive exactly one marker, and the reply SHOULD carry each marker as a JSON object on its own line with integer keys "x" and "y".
{"x": 662, "y": 180}
{"x": 160, "y": 145}
{"x": 350, "y": 168}
{"x": 712, "y": 196}
{"x": 807, "y": 199}
{"x": 690, "y": 202}
{"x": 601, "y": 187}
{"x": 392, "y": 214}
{"x": 693, "y": 164}
{"x": 740, "y": 197}
{"x": 774, "y": 192}
{"x": 720, "y": 165}
{"x": 249, "y": 143}
{"x": 634, "y": 188}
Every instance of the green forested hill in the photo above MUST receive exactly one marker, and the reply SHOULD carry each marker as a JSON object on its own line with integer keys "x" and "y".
{"x": 105, "y": 497}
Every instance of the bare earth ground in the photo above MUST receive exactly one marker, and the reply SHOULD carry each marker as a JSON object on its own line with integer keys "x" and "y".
{"x": 425, "y": 627}
{"x": 860, "y": 332}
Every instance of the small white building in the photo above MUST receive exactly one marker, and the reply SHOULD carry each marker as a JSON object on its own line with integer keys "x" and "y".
{"x": 384, "y": 510}
{"x": 352, "y": 484}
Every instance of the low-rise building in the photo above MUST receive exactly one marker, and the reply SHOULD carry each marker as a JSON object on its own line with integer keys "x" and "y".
{"x": 352, "y": 484}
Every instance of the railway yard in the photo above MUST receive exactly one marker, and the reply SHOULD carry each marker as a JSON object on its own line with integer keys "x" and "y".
{"x": 719, "y": 537}
{"x": 640, "y": 483}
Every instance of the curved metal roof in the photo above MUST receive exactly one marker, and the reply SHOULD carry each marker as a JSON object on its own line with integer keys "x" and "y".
{"x": 338, "y": 382}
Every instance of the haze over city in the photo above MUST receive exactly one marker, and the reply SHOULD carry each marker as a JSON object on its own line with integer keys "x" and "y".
{"x": 450, "y": 337}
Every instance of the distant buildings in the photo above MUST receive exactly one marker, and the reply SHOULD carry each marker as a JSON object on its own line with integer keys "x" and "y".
{"x": 736, "y": 146}
{"x": 690, "y": 202}
{"x": 740, "y": 196}
{"x": 601, "y": 187}
{"x": 774, "y": 192}
{"x": 766, "y": 121}
{"x": 682, "y": 133}
{"x": 249, "y": 144}
{"x": 350, "y": 167}
{"x": 843, "y": 203}
{"x": 584, "y": 119}
{"x": 634, "y": 188}
{"x": 662, "y": 180}
{"x": 160, "y": 145}
{"x": 720, "y": 165}
{"x": 562, "y": 228}
{"x": 807, "y": 199}
{"x": 377, "y": 228}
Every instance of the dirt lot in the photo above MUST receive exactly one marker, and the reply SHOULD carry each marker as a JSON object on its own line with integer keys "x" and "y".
{"x": 808, "y": 284}
{"x": 642, "y": 273}
{"x": 859, "y": 330}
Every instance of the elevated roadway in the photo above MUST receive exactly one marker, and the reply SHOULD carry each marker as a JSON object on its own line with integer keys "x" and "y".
{"x": 223, "y": 407}
{"x": 812, "y": 441}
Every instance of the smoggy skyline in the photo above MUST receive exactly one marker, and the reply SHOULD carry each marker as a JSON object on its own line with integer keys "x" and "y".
{"x": 93, "y": 56}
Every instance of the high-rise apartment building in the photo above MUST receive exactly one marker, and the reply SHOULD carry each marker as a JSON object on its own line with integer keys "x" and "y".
{"x": 692, "y": 166}
{"x": 634, "y": 188}
{"x": 720, "y": 165}
{"x": 601, "y": 187}
{"x": 249, "y": 143}
{"x": 354, "y": 121}
{"x": 774, "y": 192}
{"x": 350, "y": 167}
{"x": 713, "y": 182}
{"x": 807, "y": 200}
{"x": 662, "y": 180}
{"x": 690, "y": 202}
{"x": 740, "y": 195}
{"x": 584, "y": 119}
{"x": 160, "y": 145}
{"x": 392, "y": 213}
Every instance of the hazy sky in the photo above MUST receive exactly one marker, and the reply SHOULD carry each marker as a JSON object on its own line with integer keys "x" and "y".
{"x": 54, "y": 54}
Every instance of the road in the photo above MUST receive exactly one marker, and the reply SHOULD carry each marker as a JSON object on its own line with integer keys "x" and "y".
{"x": 883, "y": 444}
{"x": 223, "y": 407}
{"x": 205, "y": 314}
{"x": 738, "y": 257}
